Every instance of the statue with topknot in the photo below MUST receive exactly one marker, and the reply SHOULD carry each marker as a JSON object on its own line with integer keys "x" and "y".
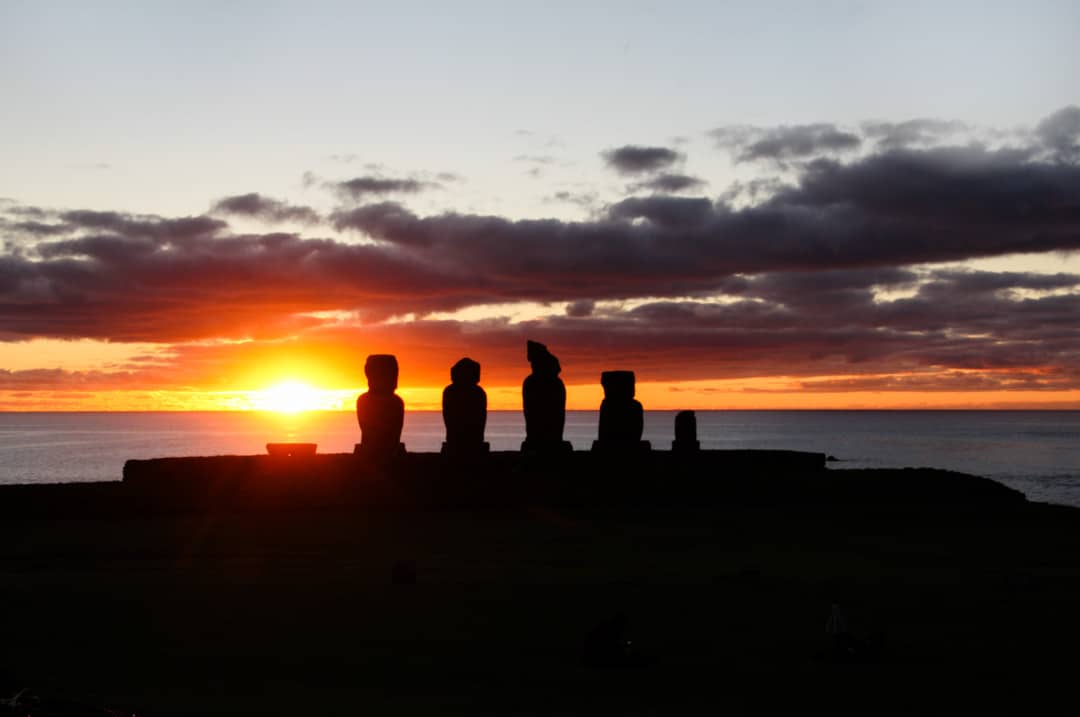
{"x": 543, "y": 398}
{"x": 464, "y": 409}
{"x": 380, "y": 412}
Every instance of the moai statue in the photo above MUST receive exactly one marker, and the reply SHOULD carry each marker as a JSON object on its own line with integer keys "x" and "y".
{"x": 622, "y": 418}
{"x": 685, "y": 433}
{"x": 543, "y": 397}
{"x": 464, "y": 410}
{"x": 380, "y": 412}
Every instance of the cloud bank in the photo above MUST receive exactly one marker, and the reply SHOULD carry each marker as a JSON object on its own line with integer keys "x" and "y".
{"x": 836, "y": 269}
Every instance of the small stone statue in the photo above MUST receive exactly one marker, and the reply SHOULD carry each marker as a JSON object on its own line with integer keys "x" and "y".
{"x": 380, "y": 412}
{"x": 622, "y": 419}
{"x": 686, "y": 440}
{"x": 544, "y": 400}
{"x": 464, "y": 409}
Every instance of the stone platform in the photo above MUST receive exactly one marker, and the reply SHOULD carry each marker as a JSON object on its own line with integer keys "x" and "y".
{"x": 496, "y": 480}
{"x": 509, "y": 479}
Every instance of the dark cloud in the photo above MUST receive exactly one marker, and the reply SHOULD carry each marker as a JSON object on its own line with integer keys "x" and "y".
{"x": 32, "y": 228}
{"x": 784, "y": 143}
{"x": 634, "y": 159}
{"x": 752, "y": 191}
{"x": 920, "y": 131}
{"x": 670, "y": 183}
{"x": 580, "y": 309}
{"x": 982, "y": 282}
{"x": 256, "y": 206}
{"x": 143, "y": 226}
{"x": 967, "y": 186}
{"x": 109, "y": 275}
{"x": 127, "y": 278}
{"x": 948, "y": 381}
{"x": 586, "y": 200}
{"x": 665, "y": 212}
{"x": 1032, "y": 342}
{"x": 1060, "y": 133}
{"x": 780, "y": 324}
{"x": 359, "y": 188}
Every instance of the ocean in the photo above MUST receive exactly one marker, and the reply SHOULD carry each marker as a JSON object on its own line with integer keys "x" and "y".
{"x": 1037, "y": 452}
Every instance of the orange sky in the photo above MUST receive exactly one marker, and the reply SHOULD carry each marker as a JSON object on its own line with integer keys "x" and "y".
{"x": 747, "y": 394}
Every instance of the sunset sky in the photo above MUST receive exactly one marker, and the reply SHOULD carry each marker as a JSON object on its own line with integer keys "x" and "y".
{"x": 751, "y": 205}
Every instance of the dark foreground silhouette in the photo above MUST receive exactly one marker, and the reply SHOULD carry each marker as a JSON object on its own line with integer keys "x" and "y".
{"x": 236, "y": 598}
{"x": 547, "y": 581}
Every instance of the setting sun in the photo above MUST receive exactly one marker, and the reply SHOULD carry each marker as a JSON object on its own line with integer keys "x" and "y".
{"x": 289, "y": 397}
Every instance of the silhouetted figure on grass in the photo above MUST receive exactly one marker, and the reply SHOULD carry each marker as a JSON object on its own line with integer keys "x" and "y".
{"x": 543, "y": 397}
{"x": 622, "y": 418}
{"x": 464, "y": 410}
{"x": 380, "y": 412}
{"x": 686, "y": 440}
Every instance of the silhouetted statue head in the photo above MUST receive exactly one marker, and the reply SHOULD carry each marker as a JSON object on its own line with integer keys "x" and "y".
{"x": 382, "y": 373}
{"x": 618, "y": 385}
{"x": 543, "y": 361}
{"x": 465, "y": 372}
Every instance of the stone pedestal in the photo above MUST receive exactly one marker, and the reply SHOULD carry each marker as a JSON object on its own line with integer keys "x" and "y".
{"x": 620, "y": 448}
{"x": 546, "y": 448}
{"x": 465, "y": 450}
{"x": 378, "y": 455}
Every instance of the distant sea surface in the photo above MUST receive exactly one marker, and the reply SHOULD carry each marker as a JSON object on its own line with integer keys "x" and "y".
{"x": 1037, "y": 452}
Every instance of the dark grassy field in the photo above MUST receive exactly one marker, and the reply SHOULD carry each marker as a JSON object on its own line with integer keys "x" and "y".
{"x": 298, "y": 612}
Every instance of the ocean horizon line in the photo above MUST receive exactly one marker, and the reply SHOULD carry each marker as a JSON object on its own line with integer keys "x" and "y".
{"x": 569, "y": 410}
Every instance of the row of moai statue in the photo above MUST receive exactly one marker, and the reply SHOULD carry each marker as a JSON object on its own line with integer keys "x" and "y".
{"x": 381, "y": 412}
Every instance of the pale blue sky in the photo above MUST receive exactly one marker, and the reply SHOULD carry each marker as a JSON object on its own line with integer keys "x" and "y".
{"x": 187, "y": 102}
